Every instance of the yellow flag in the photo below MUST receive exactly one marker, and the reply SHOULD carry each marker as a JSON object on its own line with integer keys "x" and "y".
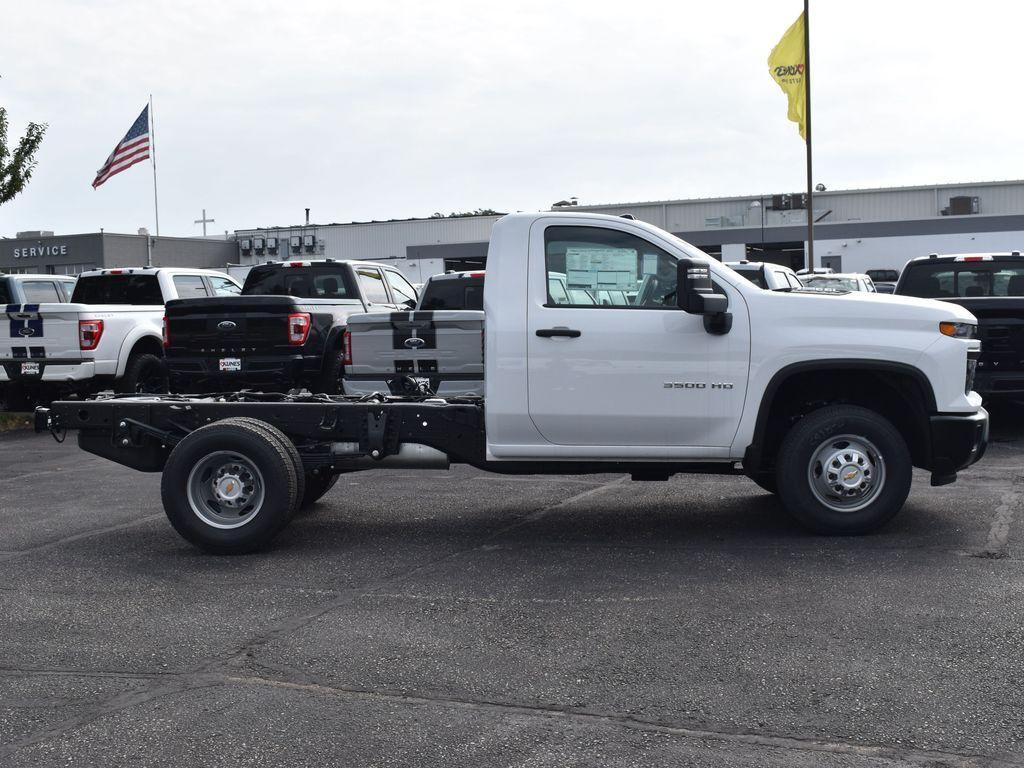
{"x": 787, "y": 65}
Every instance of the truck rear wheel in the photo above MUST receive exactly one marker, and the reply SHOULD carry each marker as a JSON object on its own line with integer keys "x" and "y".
{"x": 843, "y": 470}
{"x": 144, "y": 374}
{"x": 229, "y": 488}
{"x": 276, "y": 435}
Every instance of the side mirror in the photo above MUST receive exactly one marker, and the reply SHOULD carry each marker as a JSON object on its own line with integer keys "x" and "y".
{"x": 695, "y": 294}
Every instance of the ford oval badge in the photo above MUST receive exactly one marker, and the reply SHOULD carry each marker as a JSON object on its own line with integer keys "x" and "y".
{"x": 26, "y": 331}
{"x": 226, "y": 325}
{"x": 414, "y": 342}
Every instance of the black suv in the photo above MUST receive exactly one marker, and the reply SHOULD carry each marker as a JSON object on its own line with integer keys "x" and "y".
{"x": 991, "y": 286}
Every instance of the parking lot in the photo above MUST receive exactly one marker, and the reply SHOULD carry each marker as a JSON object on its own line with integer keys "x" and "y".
{"x": 467, "y": 619}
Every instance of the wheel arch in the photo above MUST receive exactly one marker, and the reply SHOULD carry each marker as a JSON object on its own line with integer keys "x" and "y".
{"x": 899, "y": 391}
{"x": 142, "y": 342}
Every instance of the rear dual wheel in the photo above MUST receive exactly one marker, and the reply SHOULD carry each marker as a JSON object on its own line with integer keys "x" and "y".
{"x": 230, "y": 487}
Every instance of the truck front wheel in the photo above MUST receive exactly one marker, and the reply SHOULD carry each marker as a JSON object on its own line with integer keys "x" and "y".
{"x": 229, "y": 488}
{"x": 843, "y": 470}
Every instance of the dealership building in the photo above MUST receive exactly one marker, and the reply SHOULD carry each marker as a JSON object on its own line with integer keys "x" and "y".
{"x": 47, "y": 253}
{"x": 855, "y": 230}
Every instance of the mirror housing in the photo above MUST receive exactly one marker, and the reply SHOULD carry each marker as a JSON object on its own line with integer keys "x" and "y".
{"x": 696, "y": 294}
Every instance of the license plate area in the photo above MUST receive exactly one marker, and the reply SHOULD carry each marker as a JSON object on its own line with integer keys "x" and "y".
{"x": 30, "y": 369}
{"x": 230, "y": 364}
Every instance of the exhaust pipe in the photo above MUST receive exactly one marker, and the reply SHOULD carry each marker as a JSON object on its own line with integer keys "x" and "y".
{"x": 409, "y": 456}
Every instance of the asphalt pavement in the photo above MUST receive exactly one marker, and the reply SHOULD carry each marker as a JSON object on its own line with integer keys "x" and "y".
{"x": 465, "y": 619}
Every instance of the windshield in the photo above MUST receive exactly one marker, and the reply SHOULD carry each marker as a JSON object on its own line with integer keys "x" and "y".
{"x": 835, "y": 283}
{"x": 756, "y": 276}
{"x": 327, "y": 282}
{"x": 966, "y": 279}
{"x": 883, "y": 275}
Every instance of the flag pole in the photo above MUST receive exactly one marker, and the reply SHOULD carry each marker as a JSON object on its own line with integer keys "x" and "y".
{"x": 807, "y": 105}
{"x": 152, "y": 158}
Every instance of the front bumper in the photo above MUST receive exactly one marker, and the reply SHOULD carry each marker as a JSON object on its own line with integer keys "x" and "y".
{"x": 957, "y": 441}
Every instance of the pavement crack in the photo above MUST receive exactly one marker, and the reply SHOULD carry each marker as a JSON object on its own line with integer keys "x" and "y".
{"x": 57, "y": 543}
{"x": 996, "y": 546}
{"x": 347, "y": 597}
{"x": 926, "y": 757}
{"x": 160, "y": 688}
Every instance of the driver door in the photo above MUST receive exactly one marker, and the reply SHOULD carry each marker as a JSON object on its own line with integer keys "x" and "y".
{"x": 641, "y": 374}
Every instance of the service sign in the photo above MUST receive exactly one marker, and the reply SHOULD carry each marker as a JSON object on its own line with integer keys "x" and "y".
{"x": 37, "y": 251}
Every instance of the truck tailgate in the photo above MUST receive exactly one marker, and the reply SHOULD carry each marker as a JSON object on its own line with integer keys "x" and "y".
{"x": 36, "y": 335}
{"x": 437, "y": 344}
{"x": 228, "y": 324}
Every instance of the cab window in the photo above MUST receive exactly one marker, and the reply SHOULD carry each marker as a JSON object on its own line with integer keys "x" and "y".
{"x": 40, "y": 292}
{"x": 585, "y": 262}
{"x": 403, "y": 292}
{"x": 223, "y": 287}
{"x": 373, "y": 286}
{"x": 190, "y": 286}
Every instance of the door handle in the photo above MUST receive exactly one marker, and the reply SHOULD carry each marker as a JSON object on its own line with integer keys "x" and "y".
{"x": 547, "y": 333}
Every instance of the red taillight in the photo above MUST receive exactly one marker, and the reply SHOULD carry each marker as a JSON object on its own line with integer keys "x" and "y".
{"x": 298, "y": 328}
{"x": 476, "y": 274}
{"x": 166, "y": 334}
{"x": 89, "y": 333}
{"x": 346, "y": 348}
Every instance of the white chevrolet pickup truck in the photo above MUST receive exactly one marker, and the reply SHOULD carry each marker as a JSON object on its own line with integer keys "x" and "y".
{"x": 827, "y": 400}
{"x": 108, "y": 336}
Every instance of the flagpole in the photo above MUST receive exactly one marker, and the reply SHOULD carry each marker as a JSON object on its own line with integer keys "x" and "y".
{"x": 807, "y": 105}
{"x": 152, "y": 158}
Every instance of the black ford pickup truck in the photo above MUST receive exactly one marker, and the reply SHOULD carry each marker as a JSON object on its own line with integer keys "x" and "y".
{"x": 283, "y": 332}
{"x": 991, "y": 287}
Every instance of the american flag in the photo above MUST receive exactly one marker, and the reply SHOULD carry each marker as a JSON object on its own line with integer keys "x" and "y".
{"x": 132, "y": 149}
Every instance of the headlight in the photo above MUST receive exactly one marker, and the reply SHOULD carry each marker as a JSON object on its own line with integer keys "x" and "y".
{"x": 959, "y": 330}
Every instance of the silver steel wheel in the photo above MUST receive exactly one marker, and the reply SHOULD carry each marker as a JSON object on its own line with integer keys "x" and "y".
{"x": 846, "y": 473}
{"x": 225, "y": 489}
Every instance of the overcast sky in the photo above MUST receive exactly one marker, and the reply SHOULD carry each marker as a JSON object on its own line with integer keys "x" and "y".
{"x": 399, "y": 109}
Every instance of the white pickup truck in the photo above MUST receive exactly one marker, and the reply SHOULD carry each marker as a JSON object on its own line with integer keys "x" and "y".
{"x": 108, "y": 336}
{"x": 827, "y": 400}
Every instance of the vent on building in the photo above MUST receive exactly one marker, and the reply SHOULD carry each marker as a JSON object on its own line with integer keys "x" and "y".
{"x": 246, "y": 246}
{"x": 309, "y": 242}
{"x": 258, "y": 244}
{"x": 295, "y": 243}
{"x": 962, "y": 205}
{"x": 272, "y": 244}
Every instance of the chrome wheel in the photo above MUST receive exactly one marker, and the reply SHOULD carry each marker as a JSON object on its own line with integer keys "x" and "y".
{"x": 846, "y": 473}
{"x": 225, "y": 490}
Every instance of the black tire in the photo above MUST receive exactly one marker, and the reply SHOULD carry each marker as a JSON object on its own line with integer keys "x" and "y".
{"x": 144, "y": 374}
{"x": 766, "y": 481}
{"x": 881, "y": 487}
{"x": 275, "y": 434}
{"x": 329, "y": 382}
{"x": 316, "y": 486}
{"x": 264, "y": 472}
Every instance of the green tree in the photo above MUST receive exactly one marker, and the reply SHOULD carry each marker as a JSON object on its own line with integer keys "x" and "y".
{"x": 17, "y": 164}
{"x": 459, "y": 215}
